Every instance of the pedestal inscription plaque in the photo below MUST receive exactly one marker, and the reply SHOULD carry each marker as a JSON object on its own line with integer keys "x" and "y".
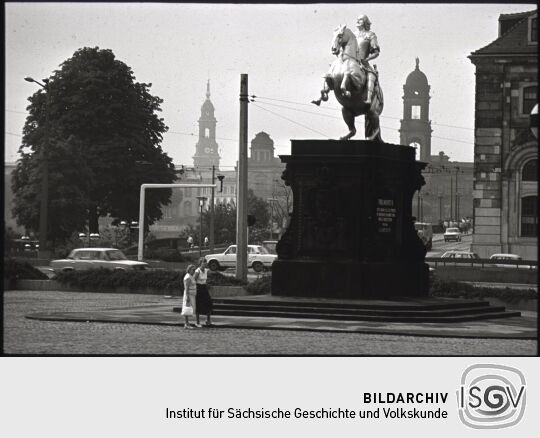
{"x": 351, "y": 233}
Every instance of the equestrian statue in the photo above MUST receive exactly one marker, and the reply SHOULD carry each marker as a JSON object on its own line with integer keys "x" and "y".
{"x": 354, "y": 82}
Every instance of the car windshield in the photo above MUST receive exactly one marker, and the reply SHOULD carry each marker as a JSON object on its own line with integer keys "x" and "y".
{"x": 452, "y": 230}
{"x": 115, "y": 255}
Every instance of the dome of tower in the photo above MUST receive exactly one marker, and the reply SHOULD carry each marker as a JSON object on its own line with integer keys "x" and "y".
{"x": 207, "y": 106}
{"x": 417, "y": 80}
{"x": 262, "y": 141}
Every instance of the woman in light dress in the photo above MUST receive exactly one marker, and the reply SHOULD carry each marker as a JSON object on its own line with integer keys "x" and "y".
{"x": 190, "y": 295}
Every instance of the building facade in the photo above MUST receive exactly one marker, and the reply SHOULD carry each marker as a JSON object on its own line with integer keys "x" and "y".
{"x": 447, "y": 194}
{"x": 505, "y": 150}
{"x": 264, "y": 169}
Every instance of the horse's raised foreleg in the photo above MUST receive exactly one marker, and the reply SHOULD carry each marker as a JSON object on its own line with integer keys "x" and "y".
{"x": 327, "y": 86}
{"x": 348, "y": 116}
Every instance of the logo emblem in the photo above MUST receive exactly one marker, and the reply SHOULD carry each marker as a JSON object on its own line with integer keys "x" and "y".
{"x": 491, "y": 396}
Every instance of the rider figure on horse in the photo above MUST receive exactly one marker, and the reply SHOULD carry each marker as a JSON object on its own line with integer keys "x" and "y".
{"x": 368, "y": 49}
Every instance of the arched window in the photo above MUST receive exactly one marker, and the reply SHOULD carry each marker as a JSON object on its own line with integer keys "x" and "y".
{"x": 529, "y": 218}
{"x": 529, "y": 98}
{"x": 530, "y": 171}
{"x": 207, "y": 132}
{"x": 187, "y": 208}
{"x": 416, "y": 147}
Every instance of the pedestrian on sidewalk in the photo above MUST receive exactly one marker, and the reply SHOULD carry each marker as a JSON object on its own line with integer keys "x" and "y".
{"x": 189, "y": 301}
{"x": 204, "y": 300}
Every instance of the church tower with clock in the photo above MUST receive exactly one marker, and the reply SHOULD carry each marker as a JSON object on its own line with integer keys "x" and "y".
{"x": 206, "y": 152}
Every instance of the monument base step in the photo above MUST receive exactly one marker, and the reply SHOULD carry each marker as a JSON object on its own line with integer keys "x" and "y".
{"x": 413, "y": 311}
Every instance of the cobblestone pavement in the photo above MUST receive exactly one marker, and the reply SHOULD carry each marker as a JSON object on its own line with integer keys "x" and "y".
{"x": 25, "y": 336}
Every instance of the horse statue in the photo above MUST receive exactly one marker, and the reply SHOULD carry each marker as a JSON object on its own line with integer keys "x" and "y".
{"x": 348, "y": 77}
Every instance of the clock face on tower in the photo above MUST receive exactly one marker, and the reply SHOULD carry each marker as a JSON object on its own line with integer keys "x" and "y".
{"x": 208, "y": 150}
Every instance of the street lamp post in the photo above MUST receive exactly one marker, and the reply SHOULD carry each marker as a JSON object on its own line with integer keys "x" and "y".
{"x": 44, "y": 197}
{"x": 129, "y": 226}
{"x": 202, "y": 200}
{"x": 212, "y": 202}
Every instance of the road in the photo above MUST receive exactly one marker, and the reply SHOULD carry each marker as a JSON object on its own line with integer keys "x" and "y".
{"x": 440, "y": 246}
{"x": 26, "y": 336}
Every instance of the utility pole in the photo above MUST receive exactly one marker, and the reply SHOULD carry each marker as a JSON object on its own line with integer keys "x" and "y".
{"x": 451, "y": 198}
{"x": 211, "y": 233}
{"x": 241, "y": 194}
{"x": 457, "y": 196}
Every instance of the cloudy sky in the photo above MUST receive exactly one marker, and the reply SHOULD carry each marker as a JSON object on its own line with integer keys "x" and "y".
{"x": 285, "y": 50}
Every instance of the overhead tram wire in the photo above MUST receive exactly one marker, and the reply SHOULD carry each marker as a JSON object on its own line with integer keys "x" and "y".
{"x": 292, "y": 121}
{"x": 338, "y": 109}
{"x": 339, "y": 118}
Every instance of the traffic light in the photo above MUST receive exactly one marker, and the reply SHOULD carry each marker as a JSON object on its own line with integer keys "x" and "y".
{"x": 251, "y": 220}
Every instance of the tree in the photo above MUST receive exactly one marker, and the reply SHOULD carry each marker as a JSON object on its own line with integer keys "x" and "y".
{"x": 225, "y": 220}
{"x": 282, "y": 206}
{"x": 102, "y": 138}
{"x": 259, "y": 208}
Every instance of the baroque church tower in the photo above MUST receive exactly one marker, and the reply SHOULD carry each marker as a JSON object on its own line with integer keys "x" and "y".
{"x": 415, "y": 127}
{"x": 206, "y": 152}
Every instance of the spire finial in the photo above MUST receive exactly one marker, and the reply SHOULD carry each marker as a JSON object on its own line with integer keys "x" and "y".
{"x": 208, "y": 89}
{"x": 417, "y": 63}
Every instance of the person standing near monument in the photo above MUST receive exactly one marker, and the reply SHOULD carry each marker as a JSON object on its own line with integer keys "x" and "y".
{"x": 368, "y": 49}
{"x": 204, "y": 301}
{"x": 190, "y": 296}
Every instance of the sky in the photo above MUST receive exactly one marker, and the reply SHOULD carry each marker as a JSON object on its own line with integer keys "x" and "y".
{"x": 284, "y": 49}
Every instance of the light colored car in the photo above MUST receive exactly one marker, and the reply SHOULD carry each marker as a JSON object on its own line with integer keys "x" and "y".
{"x": 259, "y": 258}
{"x": 452, "y": 234}
{"x": 507, "y": 257}
{"x": 460, "y": 255}
{"x": 93, "y": 258}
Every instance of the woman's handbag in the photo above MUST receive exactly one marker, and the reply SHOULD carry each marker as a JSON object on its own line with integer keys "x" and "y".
{"x": 187, "y": 311}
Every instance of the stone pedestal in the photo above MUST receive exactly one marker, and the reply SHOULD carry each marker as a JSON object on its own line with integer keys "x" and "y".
{"x": 351, "y": 233}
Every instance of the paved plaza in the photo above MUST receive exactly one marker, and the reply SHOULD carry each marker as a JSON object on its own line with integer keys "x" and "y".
{"x": 57, "y": 337}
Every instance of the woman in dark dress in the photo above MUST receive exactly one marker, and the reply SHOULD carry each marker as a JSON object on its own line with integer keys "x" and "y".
{"x": 204, "y": 301}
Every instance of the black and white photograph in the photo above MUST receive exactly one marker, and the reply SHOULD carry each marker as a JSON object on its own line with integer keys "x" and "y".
{"x": 195, "y": 179}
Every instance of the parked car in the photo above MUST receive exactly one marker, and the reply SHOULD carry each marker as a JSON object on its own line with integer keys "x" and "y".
{"x": 259, "y": 258}
{"x": 93, "y": 258}
{"x": 504, "y": 257}
{"x": 270, "y": 245}
{"x": 452, "y": 234}
{"x": 460, "y": 255}
{"x": 425, "y": 232}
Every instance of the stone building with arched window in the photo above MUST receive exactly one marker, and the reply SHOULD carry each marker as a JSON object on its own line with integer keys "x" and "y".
{"x": 506, "y": 151}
